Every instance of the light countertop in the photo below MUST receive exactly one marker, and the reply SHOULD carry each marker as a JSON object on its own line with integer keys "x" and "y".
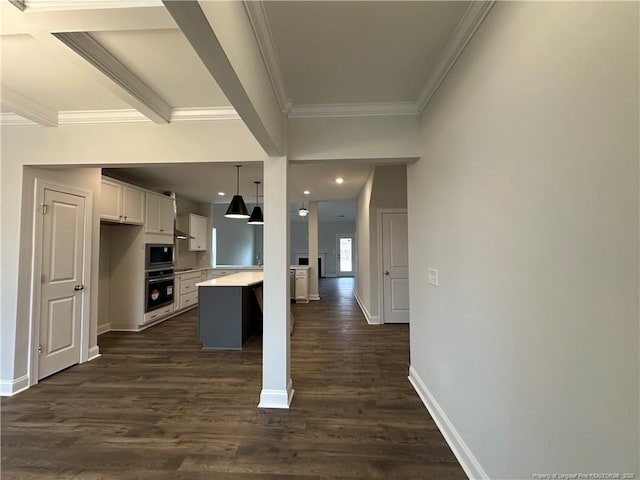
{"x": 219, "y": 267}
{"x": 300, "y": 267}
{"x": 242, "y": 279}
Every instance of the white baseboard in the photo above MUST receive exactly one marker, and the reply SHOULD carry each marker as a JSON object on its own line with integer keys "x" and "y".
{"x": 314, "y": 297}
{"x": 104, "y": 328}
{"x": 94, "y": 352}
{"x": 371, "y": 320}
{"x": 276, "y": 398}
{"x": 11, "y": 387}
{"x": 467, "y": 460}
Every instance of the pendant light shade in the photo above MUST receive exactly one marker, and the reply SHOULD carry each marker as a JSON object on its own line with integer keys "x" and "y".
{"x": 256, "y": 215}
{"x": 303, "y": 212}
{"x": 237, "y": 208}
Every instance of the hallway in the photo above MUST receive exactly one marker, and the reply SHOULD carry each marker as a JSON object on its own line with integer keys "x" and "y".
{"x": 155, "y": 406}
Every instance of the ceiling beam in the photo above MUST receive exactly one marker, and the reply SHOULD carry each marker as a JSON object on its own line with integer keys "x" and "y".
{"x": 28, "y": 108}
{"x": 223, "y": 39}
{"x": 131, "y": 88}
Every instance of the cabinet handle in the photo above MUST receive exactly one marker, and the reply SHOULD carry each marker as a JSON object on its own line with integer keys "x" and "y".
{"x": 125, "y": 217}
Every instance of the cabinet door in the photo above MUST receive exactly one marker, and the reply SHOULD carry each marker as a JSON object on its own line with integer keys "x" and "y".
{"x": 166, "y": 215}
{"x": 152, "y": 216}
{"x": 302, "y": 286}
{"x": 110, "y": 201}
{"x": 198, "y": 230}
{"x": 132, "y": 205}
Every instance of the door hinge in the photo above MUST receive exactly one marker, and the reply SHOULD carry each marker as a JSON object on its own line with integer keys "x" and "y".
{"x": 45, "y": 208}
{"x": 39, "y": 349}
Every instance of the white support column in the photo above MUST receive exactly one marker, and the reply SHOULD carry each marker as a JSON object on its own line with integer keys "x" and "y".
{"x": 277, "y": 388}
{"x": 313, "y": 251}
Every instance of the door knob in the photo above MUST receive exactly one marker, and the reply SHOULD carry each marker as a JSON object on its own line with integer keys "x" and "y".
{"x": 78, "y": 287}
{"x": 386, "y": 272}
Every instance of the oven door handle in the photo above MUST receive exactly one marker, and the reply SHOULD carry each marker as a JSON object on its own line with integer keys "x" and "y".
{"x": 160, "y": 279}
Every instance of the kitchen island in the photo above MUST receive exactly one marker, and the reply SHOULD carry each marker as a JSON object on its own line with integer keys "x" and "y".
{"x": 229, "y": 313}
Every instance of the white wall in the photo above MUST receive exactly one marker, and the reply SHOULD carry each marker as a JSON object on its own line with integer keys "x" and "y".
{"x": 386, "y": 137}
{"x": 363, "y": 243}
{"x": 327, "y": 241}
{"x": 526, "y": 201}
{"x": 104, "y": 277}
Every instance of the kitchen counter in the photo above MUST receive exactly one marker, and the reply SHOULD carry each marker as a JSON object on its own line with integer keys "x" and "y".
{"x": 219, "y": 267}
{"x": 242, "y": 279}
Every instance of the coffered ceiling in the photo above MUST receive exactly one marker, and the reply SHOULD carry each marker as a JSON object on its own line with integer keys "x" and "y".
{"x": 96, "y": 61}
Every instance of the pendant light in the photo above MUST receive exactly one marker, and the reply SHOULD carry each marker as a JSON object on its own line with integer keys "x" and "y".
{"x": 303, "y": 212}
{"x": 256, "y": 213}
{"x": 237, "y": 208}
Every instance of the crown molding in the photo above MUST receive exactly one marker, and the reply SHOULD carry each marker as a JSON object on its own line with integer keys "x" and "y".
{"x": 353, "y": 110}
{"x": 262, "y": 31}
{"x": 204, "y": 114}
{"x": 57, "y": 5}
{"x": 471, "y": 20}
{"x": 131, "y": 88}
{"x": 28, "y": 108}
{"x": 86, "y": 117}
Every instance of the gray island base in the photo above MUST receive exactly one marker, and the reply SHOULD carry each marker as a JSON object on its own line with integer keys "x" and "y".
{"x": 228, "y": 311}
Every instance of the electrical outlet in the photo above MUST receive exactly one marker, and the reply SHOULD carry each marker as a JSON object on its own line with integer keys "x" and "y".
{"x": 432, "y": 276}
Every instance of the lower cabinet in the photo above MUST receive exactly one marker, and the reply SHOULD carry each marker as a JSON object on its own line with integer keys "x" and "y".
{"x": 158, "y": 313}
{"x": 302, "y": 285}
{"x": 187, "y": 292}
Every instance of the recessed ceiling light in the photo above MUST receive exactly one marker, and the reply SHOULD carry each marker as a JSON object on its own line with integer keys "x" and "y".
{"x": 307, "y": 192}
{"x": 221, "y": 194}
{"x": 339, "y": 180}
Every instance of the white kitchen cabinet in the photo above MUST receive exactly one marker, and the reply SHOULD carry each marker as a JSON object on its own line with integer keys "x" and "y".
{"x": 187, "y": 292}
{"x": 198, "y": 230}
{"x": 121, "y": 203}
{"x": 302, "y": 285}
{"x": 159, "y": 214}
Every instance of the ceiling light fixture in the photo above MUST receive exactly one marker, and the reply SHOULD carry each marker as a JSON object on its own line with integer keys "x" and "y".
{"x": 221, "y": 194}
{"x": 256, "y": 213}
{"x": 339, "y": 180}
{"x": 303, "y": 212}
{"x": 307, "y": 192}
{"x": 237, "y": 208}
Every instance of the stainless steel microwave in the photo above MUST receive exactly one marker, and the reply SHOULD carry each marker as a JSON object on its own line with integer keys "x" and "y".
{"x": 158, "y": 256}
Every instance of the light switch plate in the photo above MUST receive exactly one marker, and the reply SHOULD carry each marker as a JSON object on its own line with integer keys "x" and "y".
{"x": 432, "y": 276}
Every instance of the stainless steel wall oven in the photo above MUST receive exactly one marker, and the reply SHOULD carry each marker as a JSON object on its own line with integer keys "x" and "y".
{"x": 159, "y": 289}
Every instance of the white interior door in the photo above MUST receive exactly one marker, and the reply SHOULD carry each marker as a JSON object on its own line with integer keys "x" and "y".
{"x": 395, "y": 260}
{"x": 345, "y": 255}
{"x": 62, "y": 289}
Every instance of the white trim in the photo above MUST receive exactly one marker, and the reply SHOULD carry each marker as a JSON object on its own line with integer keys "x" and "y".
{"x": 55, "y": 5}
{"x": 353, "y": 110}
{"x": 126, "y": 115}
{"x": 131, "y": 88}
{"x": 36, "y": 269}
{"x": 29, "y": 108}
{"x": 471, "y": 20}
{"x": 262, "y": 31}
{"x": 465, "y": 457}
{"x": 371, "y": 320}
{"x": 94, "y": 352}
{"x": 204, "y": 114}
{"x": 314, "y": 297}
{"x": 104, "y": 328}
{"x": 11, "y": 387}
{"x": 276, "y": 398}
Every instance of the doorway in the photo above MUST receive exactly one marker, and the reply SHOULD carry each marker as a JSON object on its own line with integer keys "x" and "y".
{"x": 345, "y": 255}
{"x": 395, "y": 267}
{"x": 59, "y": 334}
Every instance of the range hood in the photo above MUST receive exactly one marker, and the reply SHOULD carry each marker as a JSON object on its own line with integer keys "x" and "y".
{"x": 177, "y": 234}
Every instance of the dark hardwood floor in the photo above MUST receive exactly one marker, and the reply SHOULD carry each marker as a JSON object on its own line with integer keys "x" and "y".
{"x": 155, "y": 406}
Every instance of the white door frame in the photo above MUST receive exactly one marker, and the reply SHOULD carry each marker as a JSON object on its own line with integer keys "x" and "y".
{"x": 36, "y": 276}
{"x": 353, "y": 254}
{"x": 380, "y": 261}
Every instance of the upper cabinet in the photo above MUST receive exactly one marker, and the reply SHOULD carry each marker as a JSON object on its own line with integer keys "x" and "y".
{"x": 198, "y": 230}
{"x": 159, "y": 214}
{"x": 121, "y": 203}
